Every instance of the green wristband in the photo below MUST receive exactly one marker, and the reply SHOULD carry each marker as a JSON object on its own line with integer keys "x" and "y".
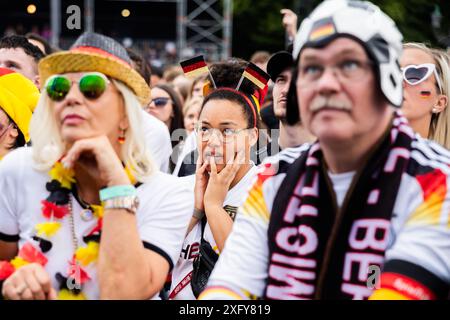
{"x": 117, "y": 191}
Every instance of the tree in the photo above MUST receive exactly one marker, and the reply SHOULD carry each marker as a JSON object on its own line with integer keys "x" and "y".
{"x": 257, "y": 24}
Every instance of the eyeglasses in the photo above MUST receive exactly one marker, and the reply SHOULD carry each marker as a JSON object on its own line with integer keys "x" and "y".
{"x": 310, "y": 73}
{"x": 5, "y": 127}
{"x": 415, "y": 74}
{"x": 225, "y": 135}
{"x": 160, "y": 102}
{"x": 91, "y": 85}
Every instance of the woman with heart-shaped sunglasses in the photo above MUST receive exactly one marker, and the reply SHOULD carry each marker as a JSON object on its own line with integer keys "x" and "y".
{"x": 426, "y": 91}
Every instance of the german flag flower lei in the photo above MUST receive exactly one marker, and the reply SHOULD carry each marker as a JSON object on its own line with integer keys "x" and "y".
{"x": 55, "y": 208}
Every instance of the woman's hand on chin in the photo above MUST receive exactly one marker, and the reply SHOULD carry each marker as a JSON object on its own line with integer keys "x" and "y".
{"x": 219, "y": 182}
{"x": 98, "y": 158}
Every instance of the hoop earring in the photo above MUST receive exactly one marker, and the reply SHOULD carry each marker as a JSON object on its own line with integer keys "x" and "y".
{"x": 121, "y": 138}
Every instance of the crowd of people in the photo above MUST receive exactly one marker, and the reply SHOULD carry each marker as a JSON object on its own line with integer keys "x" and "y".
{"x": 290, "y": 176}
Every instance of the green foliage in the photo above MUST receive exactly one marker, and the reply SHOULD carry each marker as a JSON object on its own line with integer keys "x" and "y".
{"x": 257, "y": 24}
{"x": 413, "y": 17}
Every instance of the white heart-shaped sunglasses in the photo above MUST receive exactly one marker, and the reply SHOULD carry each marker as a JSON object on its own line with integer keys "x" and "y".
{"x": 415, "y": 74}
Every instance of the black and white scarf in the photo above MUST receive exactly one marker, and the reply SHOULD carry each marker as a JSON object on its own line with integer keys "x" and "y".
{"x": 317, "y": 251}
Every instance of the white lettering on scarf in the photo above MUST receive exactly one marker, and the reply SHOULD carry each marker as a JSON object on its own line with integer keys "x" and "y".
{"x": 294, "y": 288}
{"x": 357, "y": 292}
{"x": 293, "y": 210}
{"x": 287, "y": 234}
{"x": 368, "y": 229}
{"x": 394, "y": 156}
{"x": 301, "y": 240}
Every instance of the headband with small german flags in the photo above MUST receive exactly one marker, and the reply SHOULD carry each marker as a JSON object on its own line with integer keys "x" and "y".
{"x": 257, "y": 76}
{"x": 251, "y": 101}
{"x": 195, "y": 67}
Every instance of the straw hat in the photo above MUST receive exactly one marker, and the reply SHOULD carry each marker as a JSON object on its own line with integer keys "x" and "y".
{"x": 18, "y": 98}
{"x": 96, "y": 52}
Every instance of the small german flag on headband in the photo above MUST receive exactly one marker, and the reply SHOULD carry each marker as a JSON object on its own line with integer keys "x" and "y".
{"x": 194, "y": 67}
{"x": 255, "y": 75}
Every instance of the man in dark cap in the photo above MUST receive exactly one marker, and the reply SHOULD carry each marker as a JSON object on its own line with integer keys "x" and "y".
{"x": 280, "y": 68}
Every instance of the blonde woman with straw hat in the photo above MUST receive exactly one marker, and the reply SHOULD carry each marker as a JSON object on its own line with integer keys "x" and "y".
{"x": 80, "y": 216}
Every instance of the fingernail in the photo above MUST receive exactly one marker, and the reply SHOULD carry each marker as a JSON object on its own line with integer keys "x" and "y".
{"x": 66, "y": 164}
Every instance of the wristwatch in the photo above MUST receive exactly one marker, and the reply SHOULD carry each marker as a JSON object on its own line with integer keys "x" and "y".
{"x": 129, "y": 203}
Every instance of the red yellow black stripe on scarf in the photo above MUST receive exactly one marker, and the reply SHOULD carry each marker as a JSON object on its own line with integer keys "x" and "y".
{"x": 322, "y": 31}
{"x": 194, "y": 67}
{"x": 425, "y": 94}
{"x": 256, "y": 75}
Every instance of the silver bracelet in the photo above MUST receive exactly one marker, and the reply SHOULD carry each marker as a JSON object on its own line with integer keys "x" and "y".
{"x": 198, "y": 214}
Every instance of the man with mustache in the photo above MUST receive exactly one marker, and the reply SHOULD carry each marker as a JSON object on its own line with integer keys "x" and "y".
{"x": 280, "y": 68}
{"x": 363, "y": 212}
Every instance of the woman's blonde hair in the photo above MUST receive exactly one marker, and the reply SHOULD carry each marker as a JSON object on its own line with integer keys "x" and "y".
{"x": 202, "y": 78}
{"x": 192, "y": 102}
{"x": 48, "y": 145}
{"x": 440, "y": 122}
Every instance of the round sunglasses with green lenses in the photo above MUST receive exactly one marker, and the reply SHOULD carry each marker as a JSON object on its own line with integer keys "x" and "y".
{"x": 91, "y": 85}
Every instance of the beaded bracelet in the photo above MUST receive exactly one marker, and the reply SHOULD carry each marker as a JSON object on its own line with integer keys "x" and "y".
{"x": 117, "y": 191}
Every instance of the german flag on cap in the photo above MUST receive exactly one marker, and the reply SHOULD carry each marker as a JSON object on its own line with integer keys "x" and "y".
{"x": 194, "y": 67}
{"x": 256, "y": 75}
{"x": 321, "y": 29}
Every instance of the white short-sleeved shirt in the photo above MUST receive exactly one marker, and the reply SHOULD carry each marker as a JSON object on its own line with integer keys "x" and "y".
{"x": 157, "y": 138}
{"x": 165, "y": 209}
{"x": 235, "y": 197}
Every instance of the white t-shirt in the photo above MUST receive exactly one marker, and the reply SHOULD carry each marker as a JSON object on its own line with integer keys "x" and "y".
{"x": 235, "y": 197}
{"x": 157, "y": 137}
{"x": 165, "y": 209}
{"x": 341, "y": 182}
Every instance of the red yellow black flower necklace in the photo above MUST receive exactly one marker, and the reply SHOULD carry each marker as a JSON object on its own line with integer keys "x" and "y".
{"x": 54, "y": 209}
